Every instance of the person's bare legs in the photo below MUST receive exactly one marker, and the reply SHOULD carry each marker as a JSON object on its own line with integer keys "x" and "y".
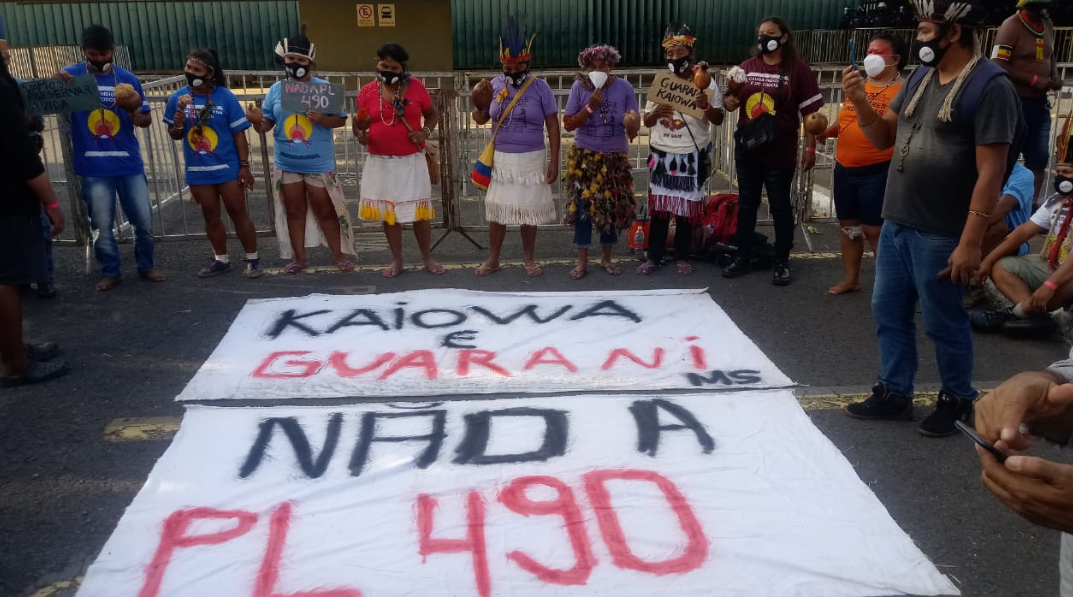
{"x": 393, "y": 232}
{"x": 207, "y": 198}
{"x": 582, "y": 264}
{"x": 497, "y": 233}
{"x": 328, "y": 220}
{"x": 852, "y": 255}
{"x": 294, "y": 202}
{"x": 235, "y": 203}
{"x": 1011, "y": 287}
{"x": 529, "y": 234}
{"x": 423, "y": 234}
{"x": 13, "y": 358}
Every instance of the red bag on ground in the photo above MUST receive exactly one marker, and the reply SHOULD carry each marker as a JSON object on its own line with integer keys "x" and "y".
{"x": 720, "y": 218}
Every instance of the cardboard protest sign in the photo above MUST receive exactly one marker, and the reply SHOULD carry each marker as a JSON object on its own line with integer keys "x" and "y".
{"x": 718, "y": 494}
{"x": 56, "y": 96}
{"x": 678, "y": 93}
{"x": 305, "y": 96}
{"x": 431, "y": 342}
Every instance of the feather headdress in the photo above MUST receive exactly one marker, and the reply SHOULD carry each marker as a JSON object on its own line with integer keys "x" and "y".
{"x": 296, "y": 46}
{"x": 515, "y": 45}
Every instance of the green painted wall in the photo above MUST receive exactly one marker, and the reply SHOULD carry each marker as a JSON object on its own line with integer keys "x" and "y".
{"x": 724, "y": 28}
{"x": 423, "y": 27}
{"x": 159, "y": 34}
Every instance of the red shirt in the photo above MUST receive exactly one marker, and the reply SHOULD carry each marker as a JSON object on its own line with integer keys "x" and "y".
{"x": 388, "y": 135}
{"x": 800, "y": 96}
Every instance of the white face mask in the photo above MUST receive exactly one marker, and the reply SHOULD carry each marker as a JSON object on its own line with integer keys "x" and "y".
{"x": 598, "y": 78}
{"x": 874, "y": 65}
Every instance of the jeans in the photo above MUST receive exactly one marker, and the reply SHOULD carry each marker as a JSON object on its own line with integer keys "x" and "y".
{"x": 753, "y": 177}
{"x": 906, "y": 272}
{"x": 583, "y": 229}
{"x": 46, "y": 233}
{"x": 100, "y": 196}
{"x": 1036, "y": 149}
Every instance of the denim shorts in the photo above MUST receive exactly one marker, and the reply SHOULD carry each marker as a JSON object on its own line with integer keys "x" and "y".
{"x": 1037, "y": 115}
{"x": 859, "y": 192}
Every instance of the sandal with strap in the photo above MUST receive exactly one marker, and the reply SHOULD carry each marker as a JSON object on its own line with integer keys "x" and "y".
{"x": 293, "y": 268}
{"x": 36, "y": 372}
{"x": 684, "y": 268}
{"x": 578, "y": 273}
{"x": 345, "y": 266}
{"x": 646, "y": 268}
{"x": 612, "y": 269}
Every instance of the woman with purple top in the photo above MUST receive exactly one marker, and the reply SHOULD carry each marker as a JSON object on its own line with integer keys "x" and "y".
{"x": 519, "y": 193}
{"x": 599, "y": 183}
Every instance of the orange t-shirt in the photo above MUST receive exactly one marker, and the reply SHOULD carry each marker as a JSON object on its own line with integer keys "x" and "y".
{"x": 854, "y": 149}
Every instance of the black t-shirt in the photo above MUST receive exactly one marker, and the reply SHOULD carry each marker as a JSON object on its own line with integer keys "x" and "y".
{"x": 19, "y": 161}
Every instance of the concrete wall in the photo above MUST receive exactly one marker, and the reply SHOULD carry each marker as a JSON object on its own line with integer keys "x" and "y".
{"x": 423, "y": 27}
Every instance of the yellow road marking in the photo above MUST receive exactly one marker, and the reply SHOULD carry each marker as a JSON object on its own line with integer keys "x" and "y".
{"x": 146, "y": 428}
{"x": 54, "y": 589}
{"x": 839, "y": 401}
{"x": 365, "y": 269}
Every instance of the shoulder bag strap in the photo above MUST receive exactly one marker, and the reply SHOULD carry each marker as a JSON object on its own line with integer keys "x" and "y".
{"x": 517, "y": 96}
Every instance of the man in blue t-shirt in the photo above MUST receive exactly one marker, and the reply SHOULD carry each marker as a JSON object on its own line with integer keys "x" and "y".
{"x": 108, "y": 158}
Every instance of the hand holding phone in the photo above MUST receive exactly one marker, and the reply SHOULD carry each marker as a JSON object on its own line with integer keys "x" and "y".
{"x": 983, "y": 443}
{"x": 852, "y": 55}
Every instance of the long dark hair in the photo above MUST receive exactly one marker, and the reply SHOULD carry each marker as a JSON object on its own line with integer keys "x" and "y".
{"x": 897, "y": 45}
{"x": 212, "y": 58}
{"x": 789, "y": 50}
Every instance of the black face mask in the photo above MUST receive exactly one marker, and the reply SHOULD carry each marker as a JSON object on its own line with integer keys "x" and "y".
{"x": 930, "y": 53}
{"x": 391, "y": 77}
{"x": 679, "y": 65}
{"x": 101, "y": 66}
{"x": 517, "y": 79}
{"x": 1063, "y": 185}
{"x": 769, "y": 43}
{"x": 295, "y": 70}
{"x": 195, "y": 80}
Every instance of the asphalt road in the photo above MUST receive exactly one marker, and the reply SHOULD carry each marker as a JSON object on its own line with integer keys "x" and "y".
{"x": 63, "y": 487}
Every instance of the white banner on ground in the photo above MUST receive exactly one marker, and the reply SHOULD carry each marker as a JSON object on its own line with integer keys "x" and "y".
{"x": 433, "y": 342}
{"x": 721, "y": 495}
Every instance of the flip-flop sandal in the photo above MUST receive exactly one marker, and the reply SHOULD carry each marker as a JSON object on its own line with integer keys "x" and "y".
{"x": 345, "y": 266}
{"x": 36, "y": 372}
{"x": 684, "y": 268}
{"x": 390, "y": 272}
{"x": 483, "y": 271}
{"x": 646, "y": 268}
{"x": 577, "y": 274}
{"x": 612, "y": 269}
{"x": 44, "y": 351}
{"x": 533, "y": 271}
{"x": 293, "y": 268}
{"x": 435, "y": 269}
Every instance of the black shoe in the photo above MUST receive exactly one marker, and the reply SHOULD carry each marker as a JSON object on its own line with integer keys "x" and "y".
{"x": 991, "y": 321}
{"x": 780, "y": 275}
{"x": 941, "y": 422}
{"x": 214, "y": 269}
{"x": 45, "y": 290}
{"x": 742, "y": 264}
{"x": 1034, "y": 326}
{"x": 882, "y": 405}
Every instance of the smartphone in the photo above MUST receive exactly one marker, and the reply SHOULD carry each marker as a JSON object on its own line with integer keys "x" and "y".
{"x": 852, "y": 55}
{"x": 983, "y": 443}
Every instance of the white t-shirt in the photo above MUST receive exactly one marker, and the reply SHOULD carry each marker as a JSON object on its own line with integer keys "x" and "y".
{"x": 1051, "y": 216}
{"x": 676, "y": 139}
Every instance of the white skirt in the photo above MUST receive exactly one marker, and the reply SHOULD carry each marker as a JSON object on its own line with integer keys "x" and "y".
{"x": 396, "y": 190}
{"x": 518, "y": 193}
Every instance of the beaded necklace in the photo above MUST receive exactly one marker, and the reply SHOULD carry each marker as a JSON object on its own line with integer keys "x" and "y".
{"x": 392, "y": 105}
{"x": 1028, "y": 24}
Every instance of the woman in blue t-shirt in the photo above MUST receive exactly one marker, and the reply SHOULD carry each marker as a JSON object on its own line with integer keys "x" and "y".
{"x": 307, "y": 191}
{"x": 211, "y": 123}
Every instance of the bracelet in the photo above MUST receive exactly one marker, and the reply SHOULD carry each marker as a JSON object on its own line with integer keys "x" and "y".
{"x": 427, "y": 131}
{"x": 810, "y": 149}
{"x": 1050, "y": 285}
{"x": 979, "y": 214}
{"x": 588, "y": 108}
{"x": 243, "y": 163}
{"x": 1035, "y": 79}
{"x": 52, "y": 205}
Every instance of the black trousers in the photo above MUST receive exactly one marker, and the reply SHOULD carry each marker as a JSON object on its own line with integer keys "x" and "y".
{"x": 753, "y": 177}
{"x": 657, "y": 237}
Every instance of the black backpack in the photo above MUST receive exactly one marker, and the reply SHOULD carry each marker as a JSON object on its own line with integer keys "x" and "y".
{"x": 968, "y": 101}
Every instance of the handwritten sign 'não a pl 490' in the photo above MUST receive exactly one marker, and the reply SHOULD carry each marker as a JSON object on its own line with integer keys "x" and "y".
{"x": 301, "y": 96}
{"x": 56, "y": 96}
{"x": 679, "y": 93}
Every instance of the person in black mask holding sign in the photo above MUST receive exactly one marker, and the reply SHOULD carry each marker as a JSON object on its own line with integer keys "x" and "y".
{"x": 778, "y": 89}
{"x": 951, "y": 126}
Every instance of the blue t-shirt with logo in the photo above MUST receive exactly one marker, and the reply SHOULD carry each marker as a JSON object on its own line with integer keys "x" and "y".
{"x": 209, "y": 134}
{"x": 103, "y": 139}
{"x": 300, "y": 146}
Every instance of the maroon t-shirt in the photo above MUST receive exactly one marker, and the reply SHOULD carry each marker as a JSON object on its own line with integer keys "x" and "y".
{"x": 800, "y": 96}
